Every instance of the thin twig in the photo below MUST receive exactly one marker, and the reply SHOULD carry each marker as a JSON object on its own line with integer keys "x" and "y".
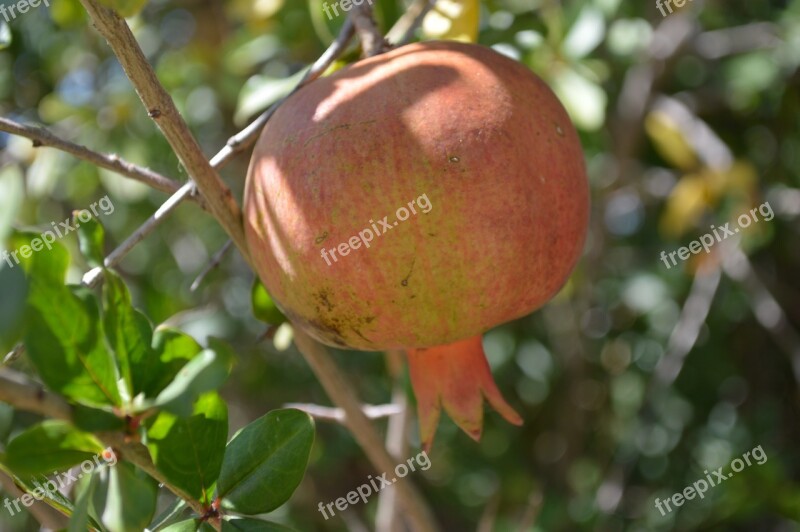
{"x": 15, "y": 353}
{"x": 386, "y": 518}
{"x": 687, "y": 330}
{"x": 326, "y": 413}
{"x": 18, "y": 390}
{"x": 247, "y": 137}
{"x": 403, "y": 30}
{"x": 766, "y": 308}
{"x": 236, "y": 144}
{"x": 43, "y": 137}
{"x": 215, "y": 261}
{"x": 93, "y": 276}
{"x": 341, "y": 392}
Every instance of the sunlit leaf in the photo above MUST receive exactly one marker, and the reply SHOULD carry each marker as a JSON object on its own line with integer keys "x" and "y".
{"x": 189, "y": 451}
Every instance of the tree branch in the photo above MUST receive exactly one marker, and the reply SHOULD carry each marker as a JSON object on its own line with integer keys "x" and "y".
{"x": 371, "y": 38}
{"x": 341, "y": 392}
{"x": 403, "y": 30}
{"x": 18, "y": 390}
{"x": 162, "y": 110}
{"x": 93, "y": 276}
{"x": 43, "y": 137}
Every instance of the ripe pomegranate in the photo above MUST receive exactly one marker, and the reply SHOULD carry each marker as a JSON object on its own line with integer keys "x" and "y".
{"x": 415, "y": 200}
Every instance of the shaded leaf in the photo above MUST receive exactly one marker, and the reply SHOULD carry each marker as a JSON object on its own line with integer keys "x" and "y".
{"x": 91, "y": 238}
{"x": 265, "y": 462}
{"x": 52, "y": 445}
{"x": 206, "y": 372}
{"x": 130, "y": 335}
{"x": 125, "y": 498}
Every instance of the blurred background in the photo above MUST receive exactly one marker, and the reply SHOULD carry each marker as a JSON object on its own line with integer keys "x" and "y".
{"x": 632, "y": 382}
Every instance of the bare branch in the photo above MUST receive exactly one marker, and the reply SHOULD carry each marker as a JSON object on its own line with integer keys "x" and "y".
{"x": 341, "y": 392}
{"x": 766, "y": 308}
{"x": 387, "y": 516}
{"x": 162, "y": 110}
{"x": 212, "y": 264}
{"x": 93, "y": 276}
{"x": 403, "y": 30}
{"x": 247, "y": 137}
{"x": 687, "y": 330}
{"x": 15, "y": 353}
{"x": 326, "y": 413}
{"x": 18, "y": 390}
{"x": 371, "y": 38}
{"x": 43, "y": 137}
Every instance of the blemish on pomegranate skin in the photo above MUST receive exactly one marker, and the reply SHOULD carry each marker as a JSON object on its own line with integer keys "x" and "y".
{"x": 320, "y": 239}
{"x": 559, "y": 131}
{"x": 454, "y": 159}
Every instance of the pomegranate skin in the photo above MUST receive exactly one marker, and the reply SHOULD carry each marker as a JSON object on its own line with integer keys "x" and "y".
{"x": 476, "y": 133}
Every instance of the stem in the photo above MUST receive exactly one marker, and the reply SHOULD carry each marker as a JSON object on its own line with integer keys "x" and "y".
{"x": 372, "y": 40}
{"x": 162, "y": 110}
{"x": 403, "y": 30}
{"x": 93, "y": 276}
{"x": 42, "y": 137}
{"x": 18, "y": 390}
{"x": 341, "y": 392}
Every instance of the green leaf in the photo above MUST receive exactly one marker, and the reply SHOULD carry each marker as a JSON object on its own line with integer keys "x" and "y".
{"x": 189, "y": 451}
{"x": 50, "y": 446}
{"x": 91, "y": 238}
{"x": 125, "y": 498}
{"x": 63, "y": 334}
{"x": 264, "y": 308}
{"x": 91, "y": 419}
{"x": 265, "y": 462}
{"x": 172, "y": 350}
{"x": 130, "y": 335}
{"x": 79, "y": 520}
{"x": 205, "y": 372}
{"x": 190, "y": 525}
{"x": 171, "y": 515}
{"x": 14, "y": 290}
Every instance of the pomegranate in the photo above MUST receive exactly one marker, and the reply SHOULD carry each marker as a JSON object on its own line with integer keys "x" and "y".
{"x": 414, "y": 200}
